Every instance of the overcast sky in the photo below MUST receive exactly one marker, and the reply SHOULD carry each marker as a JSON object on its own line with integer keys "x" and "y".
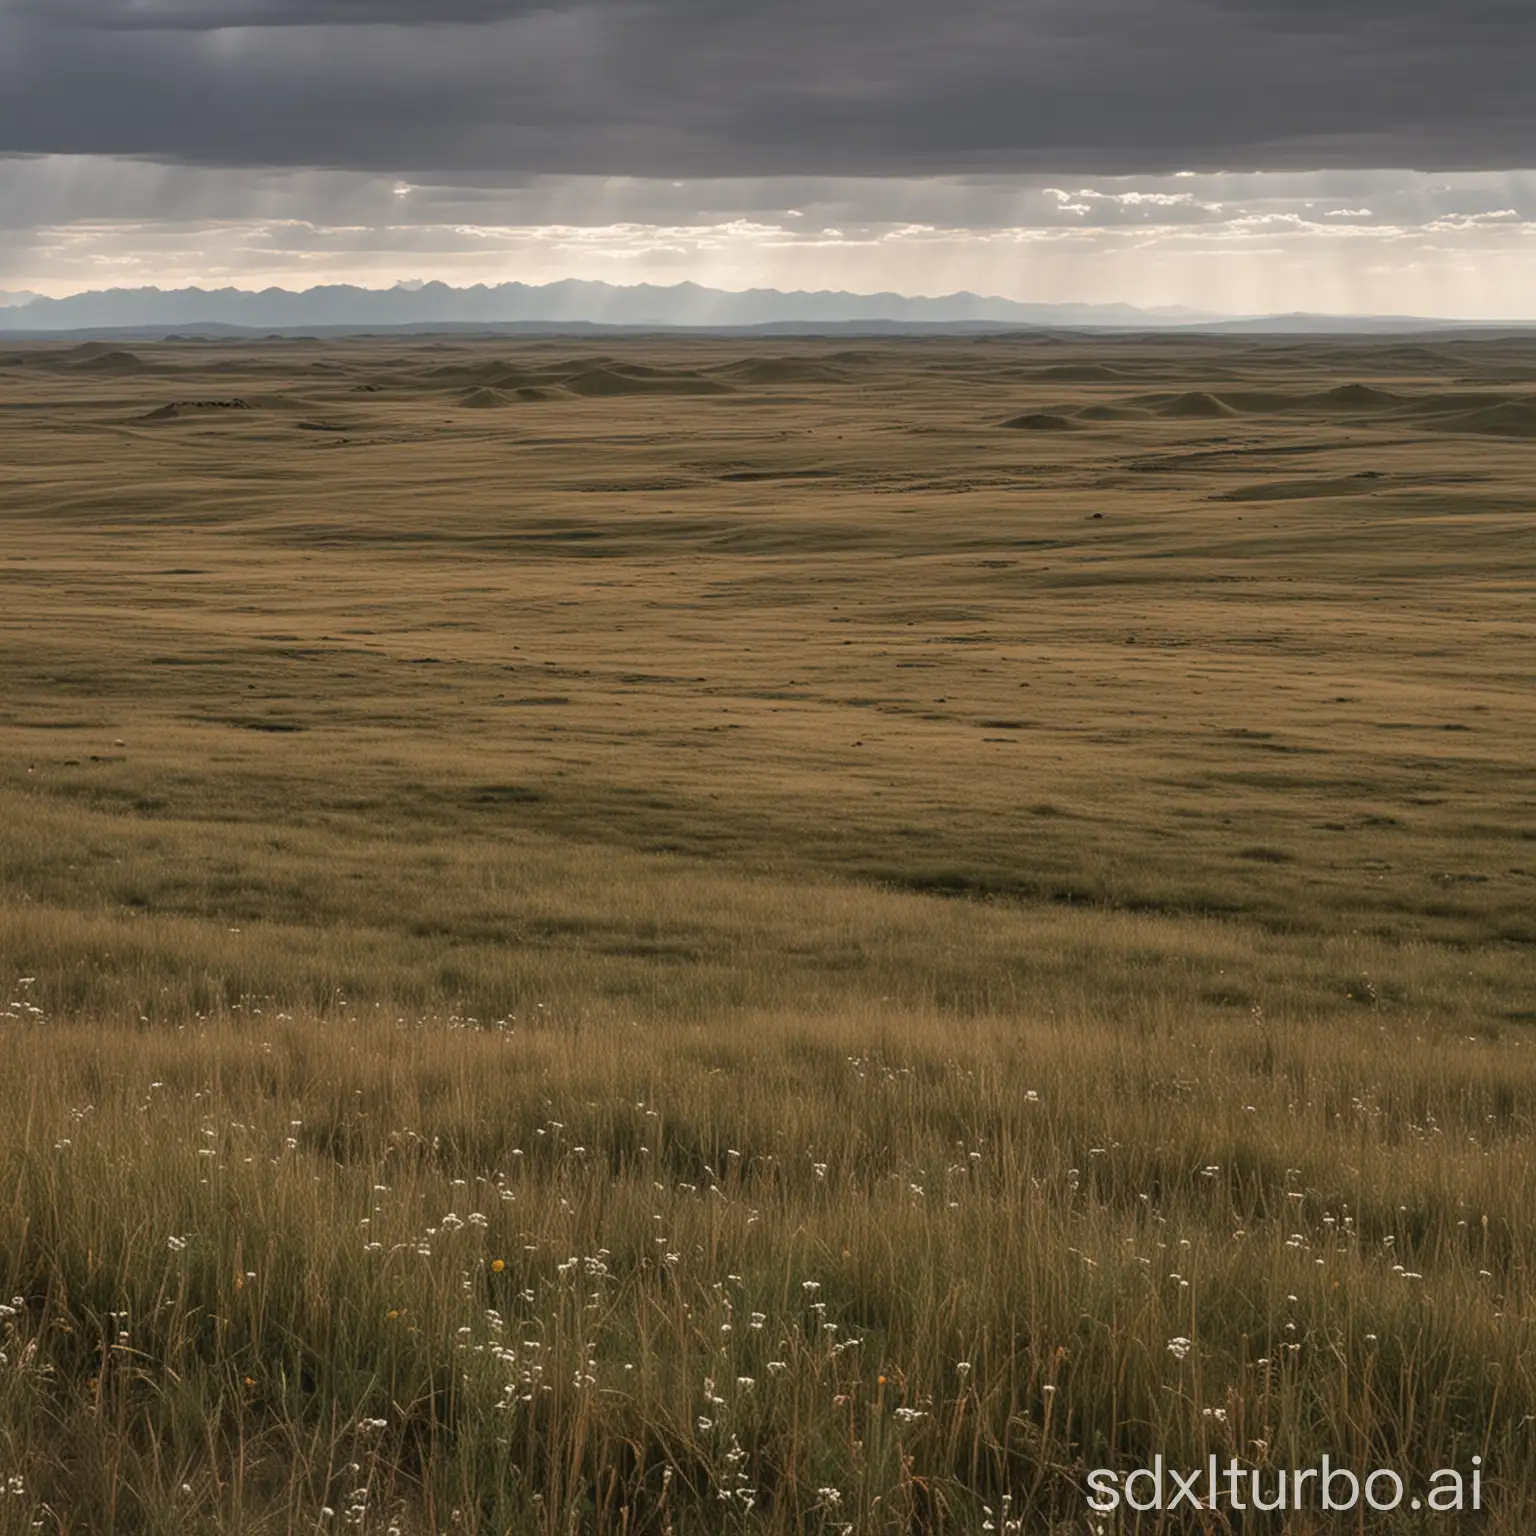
{"x": 1244, "y": 155}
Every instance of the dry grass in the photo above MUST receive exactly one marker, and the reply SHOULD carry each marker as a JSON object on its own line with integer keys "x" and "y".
{"x": 530, "y": 1247}
{"x": 767, "y": 867}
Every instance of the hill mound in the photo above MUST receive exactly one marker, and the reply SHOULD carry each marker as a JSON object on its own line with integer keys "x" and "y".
{"x": 180, "y": 410}
{"x": 1197, "y": 405}
{"x": 1357, "y": 397}
{"x": 1259, "y": 402}
{"x": 485, "y": 399}
{"x": 86, "y": 352}
{"x": 471, "y": 373}
{"x": 1041, "y": 421}
{"x": 112, "y": 362}
{"x": 645, "y": 371}
{"x": 783, "y": 370}
{"x": 600, "y": 383}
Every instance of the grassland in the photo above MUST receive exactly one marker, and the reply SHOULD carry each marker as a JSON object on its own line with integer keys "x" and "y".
{"x": 666, "y": 937}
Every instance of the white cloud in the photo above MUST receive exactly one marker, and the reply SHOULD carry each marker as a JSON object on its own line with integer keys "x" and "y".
{"x": 1370, "y": 241}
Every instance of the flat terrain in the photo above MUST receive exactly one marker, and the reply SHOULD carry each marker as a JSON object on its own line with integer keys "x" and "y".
{"x": 1076, "y": 794}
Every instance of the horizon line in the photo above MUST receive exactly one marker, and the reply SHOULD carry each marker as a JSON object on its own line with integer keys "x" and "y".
{"x": 416, "y": 285}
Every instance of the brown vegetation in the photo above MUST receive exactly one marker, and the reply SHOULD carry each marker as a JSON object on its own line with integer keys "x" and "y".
{"x": 722, "y": 942}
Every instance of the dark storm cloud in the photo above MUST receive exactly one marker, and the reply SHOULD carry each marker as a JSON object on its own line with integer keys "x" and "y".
{"x": 688, "y": 88}
{"x": 212, "y": 15}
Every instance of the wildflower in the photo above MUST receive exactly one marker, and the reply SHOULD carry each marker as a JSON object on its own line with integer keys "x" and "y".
{"x": 910, "y": 1415}
{"x": 497, "y": 1265}
{"x": 176, "y": 1244}
{"x": 1178, "y": 1347}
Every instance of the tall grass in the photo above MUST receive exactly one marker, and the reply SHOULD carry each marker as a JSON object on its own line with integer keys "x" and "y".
{"x": 885, "y": 1269}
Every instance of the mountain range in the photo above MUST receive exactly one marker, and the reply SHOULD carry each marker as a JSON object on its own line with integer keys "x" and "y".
{"x": 569, "y": 302}
{"x": 579, "y": 304}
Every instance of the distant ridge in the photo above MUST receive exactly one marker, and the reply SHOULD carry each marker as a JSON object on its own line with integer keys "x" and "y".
{"x": 571, "y": 302}
{"x": 579, "y": 305}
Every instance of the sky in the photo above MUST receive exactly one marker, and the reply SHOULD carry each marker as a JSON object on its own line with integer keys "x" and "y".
{"x": 1237, "y": 156}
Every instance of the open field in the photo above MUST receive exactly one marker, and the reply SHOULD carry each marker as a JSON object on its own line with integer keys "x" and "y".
{"x": 689, "y": 935}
